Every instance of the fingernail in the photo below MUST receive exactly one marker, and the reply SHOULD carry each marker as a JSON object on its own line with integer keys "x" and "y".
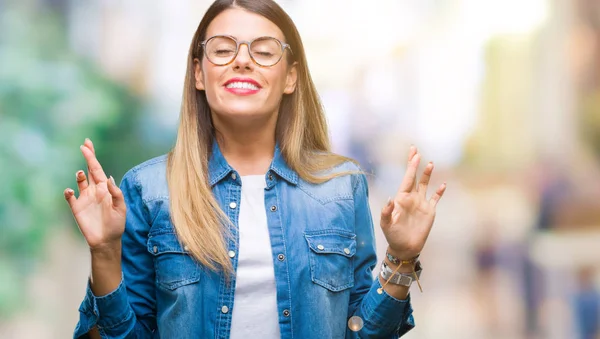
{"x": 70, "y": 191}
{"x": 79, "y": 173}
{"x": 88, "y": 139}
{"x": 112, "y": 180}
{"x": 389, "y": 201}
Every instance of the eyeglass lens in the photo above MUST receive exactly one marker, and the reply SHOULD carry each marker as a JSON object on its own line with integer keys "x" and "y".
{"x": 265, "y": 51}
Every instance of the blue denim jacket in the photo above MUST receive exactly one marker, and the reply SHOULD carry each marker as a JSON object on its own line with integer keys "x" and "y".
{"x": 323, "y": 251}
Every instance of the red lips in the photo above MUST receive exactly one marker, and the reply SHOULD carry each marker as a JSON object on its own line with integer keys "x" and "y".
{"x": 242, "y": 91}
{"x": 248, "y": 80}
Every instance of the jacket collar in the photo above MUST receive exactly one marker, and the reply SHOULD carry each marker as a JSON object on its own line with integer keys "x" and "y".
{"x": 218, "y": 168}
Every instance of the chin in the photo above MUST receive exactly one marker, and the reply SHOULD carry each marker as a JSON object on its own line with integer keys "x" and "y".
{"x": 243, "y": 111}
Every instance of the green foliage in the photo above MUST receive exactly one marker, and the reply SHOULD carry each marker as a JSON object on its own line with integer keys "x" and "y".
{"x": 50, "y": 100}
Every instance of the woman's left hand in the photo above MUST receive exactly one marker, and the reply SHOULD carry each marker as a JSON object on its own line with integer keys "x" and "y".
{"x": 407, "y": 218}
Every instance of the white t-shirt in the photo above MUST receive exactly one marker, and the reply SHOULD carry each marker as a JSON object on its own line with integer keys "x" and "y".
{"x": 255, "y": 302}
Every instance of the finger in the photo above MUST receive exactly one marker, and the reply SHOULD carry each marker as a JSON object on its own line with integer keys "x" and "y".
{"x": 386, "y": 213}
{"x": 424, "y": 181}
{"x": 96, "y": 173}
{"x": 411, "y": 152}
{"x": 89, "y": 144}
{"x": 438, "y": 195}
{"x": 89, "y": 177}
{"x": 116, "y": 193}
{"x": 82, "y": 182}
{"x": 408, "y": 183}
{"x": 70, "y": 197}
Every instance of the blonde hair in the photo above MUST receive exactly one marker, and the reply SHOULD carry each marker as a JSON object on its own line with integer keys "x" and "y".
{"x": 301, "y": 133}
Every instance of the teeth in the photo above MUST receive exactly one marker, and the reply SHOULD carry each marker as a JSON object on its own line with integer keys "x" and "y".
{"x": 242, "y": 85}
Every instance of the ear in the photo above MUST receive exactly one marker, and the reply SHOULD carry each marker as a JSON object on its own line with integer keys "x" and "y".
{"x": 198, "y": 74}
{"x": 292, "y": 78}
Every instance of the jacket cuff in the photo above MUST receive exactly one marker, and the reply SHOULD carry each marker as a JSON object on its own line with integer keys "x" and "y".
{"x": 387, "y": 313}
{"x": 107, "y": 311}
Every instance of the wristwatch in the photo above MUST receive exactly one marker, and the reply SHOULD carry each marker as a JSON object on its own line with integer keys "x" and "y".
{"x": 403, "y": 279}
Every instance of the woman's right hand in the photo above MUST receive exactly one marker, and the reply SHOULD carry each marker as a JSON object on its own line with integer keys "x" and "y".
{"x": 100, "y": 208}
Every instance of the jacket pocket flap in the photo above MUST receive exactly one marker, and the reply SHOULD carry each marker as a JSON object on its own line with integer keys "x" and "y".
{"x": 165, "y": 243}
{"x": 332, "y": 241}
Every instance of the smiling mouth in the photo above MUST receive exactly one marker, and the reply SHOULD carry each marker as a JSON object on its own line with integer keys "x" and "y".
{"x": 242, "y": 85}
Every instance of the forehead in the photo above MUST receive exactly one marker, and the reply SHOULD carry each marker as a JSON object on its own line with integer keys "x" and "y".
{"x": 243, "y": 25}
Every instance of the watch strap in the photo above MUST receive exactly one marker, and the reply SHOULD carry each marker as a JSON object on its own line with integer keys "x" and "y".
{"x": 397, "y": 278}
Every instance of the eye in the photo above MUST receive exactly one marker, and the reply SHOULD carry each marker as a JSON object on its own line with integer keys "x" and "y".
{"x": 223, "y": 52}
{"x": 265, "y": 54}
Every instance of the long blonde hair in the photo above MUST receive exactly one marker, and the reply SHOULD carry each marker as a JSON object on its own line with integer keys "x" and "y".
{"x": 301, "y": 133}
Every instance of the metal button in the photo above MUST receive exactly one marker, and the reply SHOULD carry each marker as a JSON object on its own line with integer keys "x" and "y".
{"x": 270, "y": 176}
{"x": 320, "y": 247}
{"x": 231, "y": 254}
{"x": 281, "y": 257}
{"x": 286, "y": 313}
{"x": 185, "y": 248}
{"x": 232, "y": 205}
{"x": 233, "y": 176}
{"x": 224, "y": 309}
{"x": 273, "y": 208}
{"x": 154, "y": 249}
{"x": 346, "y": 250}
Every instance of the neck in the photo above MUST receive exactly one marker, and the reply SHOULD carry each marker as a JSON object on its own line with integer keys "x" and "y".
{"x": 248, "y": 147}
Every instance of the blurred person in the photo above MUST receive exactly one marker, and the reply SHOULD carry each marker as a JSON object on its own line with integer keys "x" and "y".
{"x": 250, "y": 225}
{"x": 586, "y": 305}
{"x": 486, "y": 257}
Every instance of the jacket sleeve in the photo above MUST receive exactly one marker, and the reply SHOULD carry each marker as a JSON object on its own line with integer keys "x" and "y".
{"x": 130, "y": 310}
{"x": 382, "y": 315}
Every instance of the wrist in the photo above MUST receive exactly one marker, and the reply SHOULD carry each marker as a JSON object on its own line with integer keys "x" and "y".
{"x": 107, "y": 252}
{"x": 404, "y": 268}
{"x": 406, "y": 263}
{"x": 403, "y": 255}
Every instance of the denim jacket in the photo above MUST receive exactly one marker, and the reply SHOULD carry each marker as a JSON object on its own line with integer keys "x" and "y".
{"x": 323, "y": 251}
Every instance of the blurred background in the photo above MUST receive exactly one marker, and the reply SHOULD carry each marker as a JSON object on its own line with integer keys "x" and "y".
{"x": 503, "y": 95}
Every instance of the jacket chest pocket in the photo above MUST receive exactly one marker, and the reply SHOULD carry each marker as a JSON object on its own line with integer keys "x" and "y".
{"x": 174, "y": 266}
{"x": 330, "y": 257}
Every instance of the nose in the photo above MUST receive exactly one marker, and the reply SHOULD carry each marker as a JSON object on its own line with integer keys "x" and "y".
{"x": 243, "y": 59}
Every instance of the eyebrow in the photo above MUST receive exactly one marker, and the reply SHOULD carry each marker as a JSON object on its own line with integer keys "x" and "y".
{"x": 256, "y": 37}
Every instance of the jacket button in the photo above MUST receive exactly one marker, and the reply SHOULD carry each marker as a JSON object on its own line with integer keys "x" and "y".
{"x": 232, "y": 205}
{"x": 155, "y": 249}
{"x": 286, "y": 313}
{"x": 224, "y": 309}
{"x": 273, "y": 208}
{"x": 320, "y": 247}
{"x": 270, "y": 176}
{"x": 233, "y": 176}
{"x": 346, "y": 250}
{"x": 231, "y": 254}
{"x": 281, "y": 257}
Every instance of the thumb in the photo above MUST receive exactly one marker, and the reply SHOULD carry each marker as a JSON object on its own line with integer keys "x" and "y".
{"x": 386, "y": 213}
{"x": 117, "y": 195}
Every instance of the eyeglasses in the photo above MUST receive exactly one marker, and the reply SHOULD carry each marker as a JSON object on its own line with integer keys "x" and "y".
{"x": 265, "y": 51}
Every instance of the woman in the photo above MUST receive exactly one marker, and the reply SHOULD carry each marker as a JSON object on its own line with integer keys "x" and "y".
{"x": 250, "y": 225}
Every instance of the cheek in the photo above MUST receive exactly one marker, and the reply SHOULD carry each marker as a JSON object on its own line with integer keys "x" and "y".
{"x": 278, "y": 79}
{"x": 212, "y": 80}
